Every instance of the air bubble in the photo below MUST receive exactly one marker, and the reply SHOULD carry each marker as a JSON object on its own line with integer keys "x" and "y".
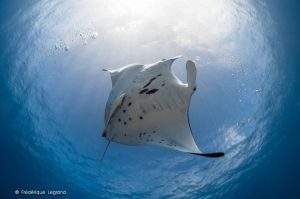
{"x": 94, "y": 35}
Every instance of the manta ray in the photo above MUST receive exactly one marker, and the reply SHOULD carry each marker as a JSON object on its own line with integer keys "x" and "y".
{"x": 149, "y": 105}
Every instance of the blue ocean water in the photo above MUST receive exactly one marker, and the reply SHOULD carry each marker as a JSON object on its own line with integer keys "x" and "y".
{"x": 53, "y": 93}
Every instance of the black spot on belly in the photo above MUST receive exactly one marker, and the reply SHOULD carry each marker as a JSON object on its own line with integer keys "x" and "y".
{"x": 149, "y": 82}
{"x": 141, "y": 117}
{"x": 129, "y": 104}
{"x": 130, "y": 118}
{"x": 144, "y": 90}
{"x": 152, "y": 91}
{"x": 125, "y": 123}
{"x": 125, "y": 134}
{"x": 124, "y": 111}
{"x": 153, "y": 131}
{"x": 163, "y": 84}
{"x": 159, "y": 75}
{"x": 194, "y": 89}
{"x": 119, "y": 120}
{"x": 144, "y": 133}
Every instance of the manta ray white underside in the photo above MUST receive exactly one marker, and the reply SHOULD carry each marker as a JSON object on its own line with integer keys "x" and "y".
{"x": 148, "y": 105}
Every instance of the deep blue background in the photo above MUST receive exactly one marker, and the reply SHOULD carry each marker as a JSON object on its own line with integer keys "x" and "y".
{"x": 52, "y": 115}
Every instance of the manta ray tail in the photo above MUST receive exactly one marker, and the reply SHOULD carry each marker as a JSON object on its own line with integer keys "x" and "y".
{"x": 106, "y": 147}
{"x": 210, "y": 155}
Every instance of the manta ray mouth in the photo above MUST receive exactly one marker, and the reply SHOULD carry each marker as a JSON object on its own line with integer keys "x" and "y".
{"x": 104, "y": 134}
